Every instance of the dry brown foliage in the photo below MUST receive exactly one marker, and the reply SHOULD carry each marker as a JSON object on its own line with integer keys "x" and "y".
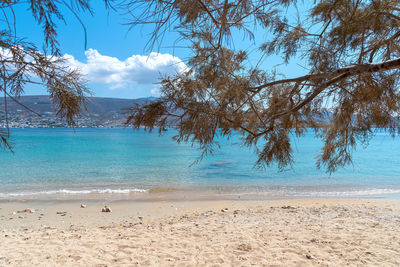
{"x": 352, "y": 54}
{"x": 21, "y": 63}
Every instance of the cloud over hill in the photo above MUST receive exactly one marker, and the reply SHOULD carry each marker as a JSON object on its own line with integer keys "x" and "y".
{"x": 136, "y": 69}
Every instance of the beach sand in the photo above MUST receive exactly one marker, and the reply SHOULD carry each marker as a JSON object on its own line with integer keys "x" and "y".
{"x": 298, "y": 232}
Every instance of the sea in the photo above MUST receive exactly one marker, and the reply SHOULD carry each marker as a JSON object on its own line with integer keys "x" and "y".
{"x": 120, "y": 164}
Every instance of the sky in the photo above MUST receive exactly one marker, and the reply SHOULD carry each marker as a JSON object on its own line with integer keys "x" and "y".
{"x": 115, "y": 60}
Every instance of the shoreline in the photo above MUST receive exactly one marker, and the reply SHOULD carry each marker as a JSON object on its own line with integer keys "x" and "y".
{"x": 201, "y": 198}
{"x": 290, "y": 232}
{"x": 201, "y": 193}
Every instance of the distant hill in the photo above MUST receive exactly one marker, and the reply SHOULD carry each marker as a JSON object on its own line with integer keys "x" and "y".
{"x": 103, "y": 106}
{"x": 101, "y": 111}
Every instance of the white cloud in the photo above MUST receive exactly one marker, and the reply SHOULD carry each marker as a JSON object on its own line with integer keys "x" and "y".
{"x": 136, "y": 69}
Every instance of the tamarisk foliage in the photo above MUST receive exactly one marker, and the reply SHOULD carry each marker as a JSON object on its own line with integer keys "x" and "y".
{"x": 351, "y": 54}
{"x": 22, "y": 63}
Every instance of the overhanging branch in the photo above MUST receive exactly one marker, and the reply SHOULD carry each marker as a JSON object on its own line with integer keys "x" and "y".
{"x": 350, "y": 70}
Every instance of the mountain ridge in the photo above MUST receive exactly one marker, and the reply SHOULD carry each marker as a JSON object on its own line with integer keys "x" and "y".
{"x": 100, "y": 112}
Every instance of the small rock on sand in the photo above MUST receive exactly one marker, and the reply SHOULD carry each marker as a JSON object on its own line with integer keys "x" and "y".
{"x": 28, "y": 210}
{"x": 288, "y": 207}
{"x": 83, "y": 206}
{"x": 106, "y": 209}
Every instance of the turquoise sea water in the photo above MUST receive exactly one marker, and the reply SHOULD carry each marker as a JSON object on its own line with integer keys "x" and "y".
{"x": 123, "y": 163}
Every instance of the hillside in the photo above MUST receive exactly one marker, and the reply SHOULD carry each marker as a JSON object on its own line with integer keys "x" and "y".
{"x": 101, "y": 112}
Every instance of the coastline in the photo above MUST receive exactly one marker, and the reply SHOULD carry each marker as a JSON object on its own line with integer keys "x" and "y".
{"x": 220, "y": 212}
{"x": 132, "y": 193}
{"x": 291, "y": 232}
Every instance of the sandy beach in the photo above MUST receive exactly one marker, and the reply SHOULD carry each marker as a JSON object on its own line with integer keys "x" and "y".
{"x": 299, "y": 232}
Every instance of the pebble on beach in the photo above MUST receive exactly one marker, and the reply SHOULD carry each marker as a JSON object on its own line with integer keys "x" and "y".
{"x": 28, "y": 210}
{"x": 106, "y": 209}
{"x": 83, "y": 206}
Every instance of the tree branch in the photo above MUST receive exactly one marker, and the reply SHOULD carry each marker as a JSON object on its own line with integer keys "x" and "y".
{"x": 351, "y": 70}
{"x": 309, "y": 98}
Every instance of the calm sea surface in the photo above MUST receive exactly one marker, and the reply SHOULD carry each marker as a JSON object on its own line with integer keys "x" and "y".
{"x": 123, "y": 163}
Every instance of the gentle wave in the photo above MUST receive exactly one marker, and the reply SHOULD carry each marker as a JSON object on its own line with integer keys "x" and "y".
{"x": 366, "y": 192}
{"x": 274, "y": 192}
{"x": 297, "y": 193}
{"x": 74, "y": 192}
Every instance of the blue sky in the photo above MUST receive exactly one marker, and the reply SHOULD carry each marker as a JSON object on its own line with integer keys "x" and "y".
{"x": 115, "y": 60}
